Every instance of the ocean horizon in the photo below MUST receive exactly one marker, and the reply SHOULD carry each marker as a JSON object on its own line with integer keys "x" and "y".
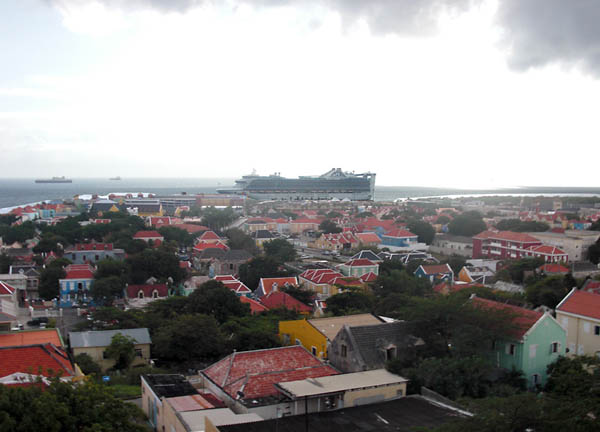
{"x": 16, "y": 192}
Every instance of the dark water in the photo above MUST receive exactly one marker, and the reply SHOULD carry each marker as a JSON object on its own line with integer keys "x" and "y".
{"x": 14, "y": 192}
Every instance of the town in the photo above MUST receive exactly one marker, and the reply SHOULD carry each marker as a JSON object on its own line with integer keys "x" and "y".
{"x": 217, "y": 312}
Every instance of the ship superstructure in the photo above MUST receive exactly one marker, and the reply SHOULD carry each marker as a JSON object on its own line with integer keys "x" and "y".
{"x": 335, "y": 183}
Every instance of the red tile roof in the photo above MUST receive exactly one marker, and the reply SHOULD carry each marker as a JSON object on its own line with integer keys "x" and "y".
{"x": 255, "y": 307}
{"x": 553, "y": 268}
{"x": 237, "y": 286}
{"x": 30, "y": 337}
{"x": 79, "y": 271}
{"x": 147, "y": 234}
{"x": 581, "y": 303}
{"x": 368, "y": 237}
{"x": 369, "y": 277}
{"x": 6, "y": 289}
{"x": 306, "y": 221}
{"x": 203, "y": 245}
{"x": 267, "y": 283}
{"x": 592, "y": 286}
{"x": 436, "y": 269}
{"x": 93, "y": 246}
{"x": 45, "y": 359}
{"x": 508, "y": 236}
{"x": 223, "y": 278}
{"x": 546, "y": 250}
{"x": 134, "y": 290}
{"x": 279, "y": 299}
{"x": 191, "y": 228}
{"x": 523, "y": 318}
{"x": 321, "y": 276}
{"x": 399, "y": 233}
{"x": 254, "y": 373}
{"x": 209, "y": 235}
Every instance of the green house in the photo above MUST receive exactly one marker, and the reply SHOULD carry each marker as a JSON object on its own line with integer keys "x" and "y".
{"x": 536, "y": 341}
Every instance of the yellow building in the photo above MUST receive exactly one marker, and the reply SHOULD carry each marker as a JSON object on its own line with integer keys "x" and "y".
{"x": 579, "y": 315}
{"x": 316, "y": 334}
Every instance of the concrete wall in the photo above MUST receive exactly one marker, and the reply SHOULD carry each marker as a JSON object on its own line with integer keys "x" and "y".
{"x": 308, "y": 335}
{"x": 581, "y": 337}
{"x": 374, "y": 394}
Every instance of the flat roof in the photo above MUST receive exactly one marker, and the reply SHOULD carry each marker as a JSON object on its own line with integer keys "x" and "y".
{"x": 330, "y": 327}
{"x": 195, "y": 420}
{"x": 169, "y": 385}
{"x": 339, "y": 383}
{"x": 399, "y": 415}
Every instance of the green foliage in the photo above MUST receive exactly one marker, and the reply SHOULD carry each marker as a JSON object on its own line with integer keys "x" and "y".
{"x": 387, "y": 266}
{"x": 424, "y": 230}
{"x": 548, "y": 291}
{"x": 177, "y": 235}
{"x": 67, "y": 407}
{"x": 452, "y": 377}
{"x": 49, "y": 277}
{"x": 594, "y": 252}
{"x": 442, "y": 220}
{"x": 517, "y": 225}
{"x": 154, "y": 262}
{"x": 105, "y": 290}
{"x": 130, "y": 246}
{"x": 350, "y": 302}
{"x": 329, "y": 227}
{"x": 122, "y": 350}
{"x": 302, "y": 295}
{"x": 18, "y": 233}
{"x": 50, "y": 243}
{"x": 401, "y": 282}
{"x": 87, "y": 364}
{"x": 456, "y": 263}
{"x": 218, "y": 219}
{"x": 215, "y": 299}
{"x": 280, "y": 249}
{"x": 467, "y": 224}
{"x": 5, "y": 263}
{"x": 516, "y": 268}
{"x": 238, "y": 239}
{"x": 259, "y": 267}
{"x": 333, "y": 215}
{"x": 595, "y": 226}
{"x": 111, "y": 267}
{"x": 188, "y": 338}
{"x": 574, "y": 377}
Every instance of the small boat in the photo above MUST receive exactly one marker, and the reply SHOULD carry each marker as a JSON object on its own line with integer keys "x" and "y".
{"x": 115, "y": 178}
{"x": 54, "y": 180}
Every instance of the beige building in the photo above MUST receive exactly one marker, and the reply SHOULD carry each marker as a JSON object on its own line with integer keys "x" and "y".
{"x": 94, "y": 344}
{"x": 574, "y": 242}
{"x": 579, "y": 314}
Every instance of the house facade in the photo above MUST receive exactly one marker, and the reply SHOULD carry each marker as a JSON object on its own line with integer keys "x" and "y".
{"x": 536, "y": 341}
{"x": 579, "y": 314}
{"x": 359, "y": 267}
{"x": 503, "y": 244}
{"x": 93, "y": 252}
{"x": 399, "y": 239}
{"x": 435, "y": 273}
{"x": 75, "y": 286}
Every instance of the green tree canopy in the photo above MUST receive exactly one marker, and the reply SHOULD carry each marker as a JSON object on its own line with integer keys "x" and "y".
{"x": 177, "y": 235}
{"x": 217, "y": 219}
{"x": 122, "y": 350}
{"x": 154, "y": 262}
{"x": 280, "y": 249}
{"x": 350, "y": 302}
{"x": 215, "y": 299}
{"x": 49, "y": 277}
{"x": 107, "y": 289}
{"x": 517, "y": 225}
{"x": 238, "y": 239}
{"x": 467, "y": 224}
{"x": 87, "y": 364}
{"x": 549, "y": 291}
{"x": 329, "y": 227}
{"x": 259, "y": 267}
{"x": 424, "y": 230}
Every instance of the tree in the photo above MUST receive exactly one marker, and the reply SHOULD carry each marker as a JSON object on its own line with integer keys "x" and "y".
{"x": 594, "y": 252}
{"x": 422, "y": 229}
{"x": 218, "y": 219}
{"x": 401, "y": 282}
{"x": 548, "y": 291}
{"x": 259, "y": 267}
{"x": 350, "y": 302}
{"x": 467, "y": 224}
{"x": 87, "y": 364}
{"x": 518, "y": 225}
{"x": 105, "y": 290}
{"x": 68, "y": 407}
{"x": 122, "y": 350}
{"x": 215, "y": 299}
{"x": 189, "y": 338}
{"x": 49, "y": 277}
{"x": 329, "y": 227}
{"x": 5, "y": 263}
{"x": 238, "y": 239}
{"x": 154, "y": 262}
{"x": 333, "y": 215}
{"x": 442, "y": 220}
{"x": 18, "y": 233}
{"x": 302, "y": 295}
{"x": 177, "y": 235}
{"x": 574, "y": 377}
{"x": 280, "y": 249}
{"x": 111, "y": 267}
{"x": 50, "y": 243}
{"x": 595, "y": 226}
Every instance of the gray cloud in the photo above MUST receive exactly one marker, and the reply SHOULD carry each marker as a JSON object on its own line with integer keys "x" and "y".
{"x": 535, "y": 32}
{"x": 539, "y": 32}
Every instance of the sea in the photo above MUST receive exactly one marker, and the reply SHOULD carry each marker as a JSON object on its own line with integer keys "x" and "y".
{"x": 17, "y": 192}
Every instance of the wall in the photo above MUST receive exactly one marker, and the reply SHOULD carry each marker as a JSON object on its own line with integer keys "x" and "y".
{"x": 152, "y": 406}
{"x": 352, "y": 362}
{"x": 538, "y": 342}
{"x": 306, "y": 333}
{"x": 581, "y": 338}
{"x": 374, "y": 394}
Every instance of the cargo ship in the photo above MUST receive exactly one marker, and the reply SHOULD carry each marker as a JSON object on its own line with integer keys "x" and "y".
{"x": 54, "y": 180}
{"x": 115, "y": 178}
{"x": 334, "y": 184}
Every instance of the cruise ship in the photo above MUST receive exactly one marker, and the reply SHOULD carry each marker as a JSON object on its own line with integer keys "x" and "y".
{"x": 54, "y": 180}
{"x": 335, "y": 183}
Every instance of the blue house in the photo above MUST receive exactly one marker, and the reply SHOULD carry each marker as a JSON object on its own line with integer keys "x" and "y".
{"x": 398, "y": 238}
{"x": 75, "y": 286}
{"x": 435, "y": 273}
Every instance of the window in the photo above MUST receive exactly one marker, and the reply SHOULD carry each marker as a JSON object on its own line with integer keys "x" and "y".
{"x": 141, "y": 294}
{"x": 532, "y": 351}
{"x": 390, "y": 353}
{"x": 96, "y": 257}
{"x": 554, "y": 347}
{"x": 400, "y": 392}
{"x": 154, "y": 294}
{"x": 104, "y": 356}
{"x": 510, "y": 349}
{"x": 344, "y": 352}
{"x": 536, "y": 379}
{"x": 597, "y": 330}
{"x": 313, "y": 350}
{"x": 138, "y": 352}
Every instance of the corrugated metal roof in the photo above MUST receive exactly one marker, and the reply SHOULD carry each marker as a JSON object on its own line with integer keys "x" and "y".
{"x": 340, "y": 383}
{"x": 104, "y": 337}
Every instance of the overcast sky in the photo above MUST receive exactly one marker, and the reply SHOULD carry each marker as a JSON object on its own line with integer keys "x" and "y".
{"x": 460, "y": 93}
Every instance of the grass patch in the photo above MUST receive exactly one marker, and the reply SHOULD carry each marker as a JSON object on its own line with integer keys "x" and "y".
{"x": 124, "y": 391}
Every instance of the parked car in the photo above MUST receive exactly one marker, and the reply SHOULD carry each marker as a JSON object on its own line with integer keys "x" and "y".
{"x": 37, "y": 321}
